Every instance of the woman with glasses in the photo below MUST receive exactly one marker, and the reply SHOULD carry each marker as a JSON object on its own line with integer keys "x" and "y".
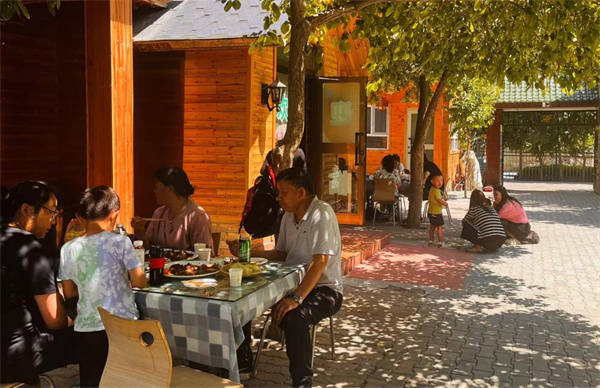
{"x": 35, "y": 337}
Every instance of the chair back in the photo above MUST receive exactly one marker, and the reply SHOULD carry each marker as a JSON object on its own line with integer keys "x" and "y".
{"x": 138, "y": 353}
{"x": 384, "y": 190}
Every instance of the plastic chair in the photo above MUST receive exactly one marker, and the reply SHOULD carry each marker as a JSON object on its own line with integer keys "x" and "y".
{"x": 313, "y": 332}
{"x": 426, "y": 208}
{"x": 139, "y": 356}
{"x": 384, "y": 193}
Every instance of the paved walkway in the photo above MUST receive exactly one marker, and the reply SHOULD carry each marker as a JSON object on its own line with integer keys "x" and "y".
{"x": 528, "y": 315}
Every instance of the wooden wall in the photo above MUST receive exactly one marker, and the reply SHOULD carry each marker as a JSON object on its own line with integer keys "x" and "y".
{"x": 226, "y": 131}
{"x": 158, "y": 120}
{"x": 43, "y": 117}
{"x": 397, "y": 136}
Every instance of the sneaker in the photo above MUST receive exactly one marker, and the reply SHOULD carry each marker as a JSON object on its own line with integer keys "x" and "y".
{"x": 431, "y": 244}
{"x": 441, "y": 245}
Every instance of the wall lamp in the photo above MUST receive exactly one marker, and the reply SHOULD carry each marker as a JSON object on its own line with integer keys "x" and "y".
{"x": 275, "y": 90}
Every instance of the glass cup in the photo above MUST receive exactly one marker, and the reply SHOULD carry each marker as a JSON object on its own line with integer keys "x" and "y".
{"x": 235, "y": 277}
{"x": 204, "y": 254}
{"x": 198, "y": 246}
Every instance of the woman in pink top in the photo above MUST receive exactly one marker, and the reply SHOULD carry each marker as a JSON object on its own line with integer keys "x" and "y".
{"x": 513, "y": 216}
{"x": 183, "y": 222}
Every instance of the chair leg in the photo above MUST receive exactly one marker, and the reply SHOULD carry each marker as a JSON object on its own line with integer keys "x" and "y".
{"x": 260, "y": 344}
{"x": 332, "y": 338}
{"x": 374, "y": 211}
{"x": 314, "y": 338}
{"x": 394, "y": 215}
{"x": 449, "y": 215}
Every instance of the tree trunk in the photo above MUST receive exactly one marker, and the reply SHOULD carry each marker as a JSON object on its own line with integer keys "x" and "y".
{"x": 300, "y": 31}
{"x": 425, "y": 115}
{"x": 467, "y": 168}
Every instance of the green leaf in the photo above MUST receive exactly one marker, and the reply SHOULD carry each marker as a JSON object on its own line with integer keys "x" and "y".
{"x": 23, "y": 9}
{"x": 228, "y": 6}
{"x": 237, "y": 4}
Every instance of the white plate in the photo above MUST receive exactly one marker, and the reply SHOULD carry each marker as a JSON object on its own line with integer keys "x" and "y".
{"x": 259, "y": 260}
{"x": 200, "y": 283}
{"x": 184, "y": 262}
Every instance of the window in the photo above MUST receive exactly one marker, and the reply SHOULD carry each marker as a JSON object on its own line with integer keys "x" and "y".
{"x": 377, "y": 128}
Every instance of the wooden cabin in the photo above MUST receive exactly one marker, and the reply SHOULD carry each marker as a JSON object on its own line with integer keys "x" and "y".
{"x": 198, "y": 104}
{"x": 389, "y": 124}
{"x": 67, "y": 99}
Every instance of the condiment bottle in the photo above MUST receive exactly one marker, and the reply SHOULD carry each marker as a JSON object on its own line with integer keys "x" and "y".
{"x": 157, "y": 265}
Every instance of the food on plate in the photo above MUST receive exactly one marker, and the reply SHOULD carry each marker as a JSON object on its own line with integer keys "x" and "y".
{"x": 248, "y": 269}
{"x": 191, "y": 269}
{"x": 176, "y": 254}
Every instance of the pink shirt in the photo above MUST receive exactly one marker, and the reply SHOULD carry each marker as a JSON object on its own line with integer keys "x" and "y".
{"x": 513, "y": 212}
{"x": 191, "y": 226}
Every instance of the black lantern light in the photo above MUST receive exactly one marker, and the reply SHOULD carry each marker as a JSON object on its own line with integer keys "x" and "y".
{"x": 275, "y": 90}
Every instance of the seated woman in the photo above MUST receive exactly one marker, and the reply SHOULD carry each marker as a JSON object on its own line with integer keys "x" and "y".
{"x": 513, "y": 217}
{"x": 35, "y": 337}
{"x": 388, "y": 171}
{"x": 481, "y": 225}
{"x": 181, "y": 222}
{"x": 95, "y": 269}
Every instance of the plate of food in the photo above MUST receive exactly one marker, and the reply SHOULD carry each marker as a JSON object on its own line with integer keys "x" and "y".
{"x": 190, "y": 269}
{"x": 258, "y": 260}
{"x": 250, "y": 270}
{"x": 176, "y": 254}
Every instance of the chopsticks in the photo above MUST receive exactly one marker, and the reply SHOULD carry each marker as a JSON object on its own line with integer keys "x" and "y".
{"x": 155, "y": 219}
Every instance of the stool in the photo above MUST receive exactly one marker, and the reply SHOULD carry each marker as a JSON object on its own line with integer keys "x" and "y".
{"x": 313, "y": 332}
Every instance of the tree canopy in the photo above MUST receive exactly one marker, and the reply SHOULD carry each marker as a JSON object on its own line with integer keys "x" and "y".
{"x": 429, "y": 48}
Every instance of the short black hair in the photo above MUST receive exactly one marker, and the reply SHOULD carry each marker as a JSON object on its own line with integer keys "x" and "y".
{"x": 176, "y": 178}
{"x": 388, "y": 163}
{"x": 435, "y": 175}
{"x": 396, "y": 157}
{"x": 98, "y": 202}
{"x": 297, "y": 177}
{"x": 33, "y": 193}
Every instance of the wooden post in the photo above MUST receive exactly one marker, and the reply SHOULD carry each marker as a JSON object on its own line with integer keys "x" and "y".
{"x": 109, "y": 90}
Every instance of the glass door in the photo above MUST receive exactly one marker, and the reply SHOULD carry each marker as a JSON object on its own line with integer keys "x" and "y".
{"x": 411, "y": 127}
{"x": 337, "y": 144}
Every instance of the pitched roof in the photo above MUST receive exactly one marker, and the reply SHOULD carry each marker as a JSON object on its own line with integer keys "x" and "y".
{"x": 199, "y": 20}
{"x": 522, "y": 93}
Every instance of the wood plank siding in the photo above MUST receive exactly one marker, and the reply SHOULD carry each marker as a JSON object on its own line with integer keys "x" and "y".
{"x": 158, "y": 121}
{"x": 226, "y": 131}
{"x": 109, "y": 72}
{"x": 42, "y": 124}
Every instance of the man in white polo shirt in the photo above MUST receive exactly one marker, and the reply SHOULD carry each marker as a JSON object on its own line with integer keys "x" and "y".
{"x": 309, "y": 234}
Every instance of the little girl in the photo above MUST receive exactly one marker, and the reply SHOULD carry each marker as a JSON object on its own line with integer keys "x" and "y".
{"x": 94, "y": 267}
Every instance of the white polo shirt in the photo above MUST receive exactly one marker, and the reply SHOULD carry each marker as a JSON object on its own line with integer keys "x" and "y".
{"x": 317, "y": 233}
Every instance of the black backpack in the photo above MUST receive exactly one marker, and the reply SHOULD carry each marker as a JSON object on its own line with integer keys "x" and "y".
{"x": 261, "y": 216}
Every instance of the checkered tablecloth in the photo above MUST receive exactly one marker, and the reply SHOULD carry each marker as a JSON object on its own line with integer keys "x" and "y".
{"x": 208, "y": 331}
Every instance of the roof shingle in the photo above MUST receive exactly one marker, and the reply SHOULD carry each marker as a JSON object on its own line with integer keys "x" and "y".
{"x": 522, "y": 93}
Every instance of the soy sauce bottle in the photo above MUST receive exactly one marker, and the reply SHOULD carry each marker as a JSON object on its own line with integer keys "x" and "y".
{"x": 157, "y": 265}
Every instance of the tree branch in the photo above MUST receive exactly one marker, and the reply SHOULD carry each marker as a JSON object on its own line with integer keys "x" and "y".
{"x": 351, "y": 7}
{"x": 441, "y": 86}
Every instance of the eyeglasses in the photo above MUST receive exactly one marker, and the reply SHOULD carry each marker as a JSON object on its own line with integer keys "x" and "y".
{"x": 55, "y": 213}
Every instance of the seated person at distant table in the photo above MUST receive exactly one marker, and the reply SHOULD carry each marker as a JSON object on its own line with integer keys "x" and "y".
{"x": 309, "y": 235}
{"x": 179, "y": 223}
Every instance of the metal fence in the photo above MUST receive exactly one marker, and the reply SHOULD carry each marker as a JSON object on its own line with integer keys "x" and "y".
{"x": 554, "y": 167}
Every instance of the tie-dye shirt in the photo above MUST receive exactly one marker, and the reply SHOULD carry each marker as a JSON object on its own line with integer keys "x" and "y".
{"x": 98, "y": 265}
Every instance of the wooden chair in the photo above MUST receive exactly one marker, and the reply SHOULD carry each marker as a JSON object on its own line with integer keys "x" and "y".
{"x": 139, "y": 356}
{"x": 384, "y": 193}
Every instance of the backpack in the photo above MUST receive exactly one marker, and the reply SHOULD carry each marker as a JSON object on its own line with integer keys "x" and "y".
{"x": 261, "y": 214}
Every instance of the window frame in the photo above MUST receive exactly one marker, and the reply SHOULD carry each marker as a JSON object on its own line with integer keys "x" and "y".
{"x": 371, "y": 126}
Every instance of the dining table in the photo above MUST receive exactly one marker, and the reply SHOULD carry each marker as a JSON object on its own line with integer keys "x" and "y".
{"x": 204, "y": 325}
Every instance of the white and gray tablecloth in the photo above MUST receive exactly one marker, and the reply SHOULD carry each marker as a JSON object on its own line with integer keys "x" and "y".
{"x": 206, "y": 330}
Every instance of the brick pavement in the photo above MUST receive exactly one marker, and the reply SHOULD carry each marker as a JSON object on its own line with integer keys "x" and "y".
{"x": 526, "y": 316}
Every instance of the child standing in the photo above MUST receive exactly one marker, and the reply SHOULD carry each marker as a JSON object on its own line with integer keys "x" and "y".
{"x": 434, "y": 212}
{"x": 94, "y": 268}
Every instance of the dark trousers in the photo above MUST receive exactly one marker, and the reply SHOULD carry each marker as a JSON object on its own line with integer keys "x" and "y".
{"x": 93, "y": 351}
{"x": 30, "y": 352}
{"x": 489, "y": 244}
{"x": 322, "y": 302}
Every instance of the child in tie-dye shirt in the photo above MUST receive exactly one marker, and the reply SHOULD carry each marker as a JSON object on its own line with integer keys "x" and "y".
{"x": 94, "y": 268}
